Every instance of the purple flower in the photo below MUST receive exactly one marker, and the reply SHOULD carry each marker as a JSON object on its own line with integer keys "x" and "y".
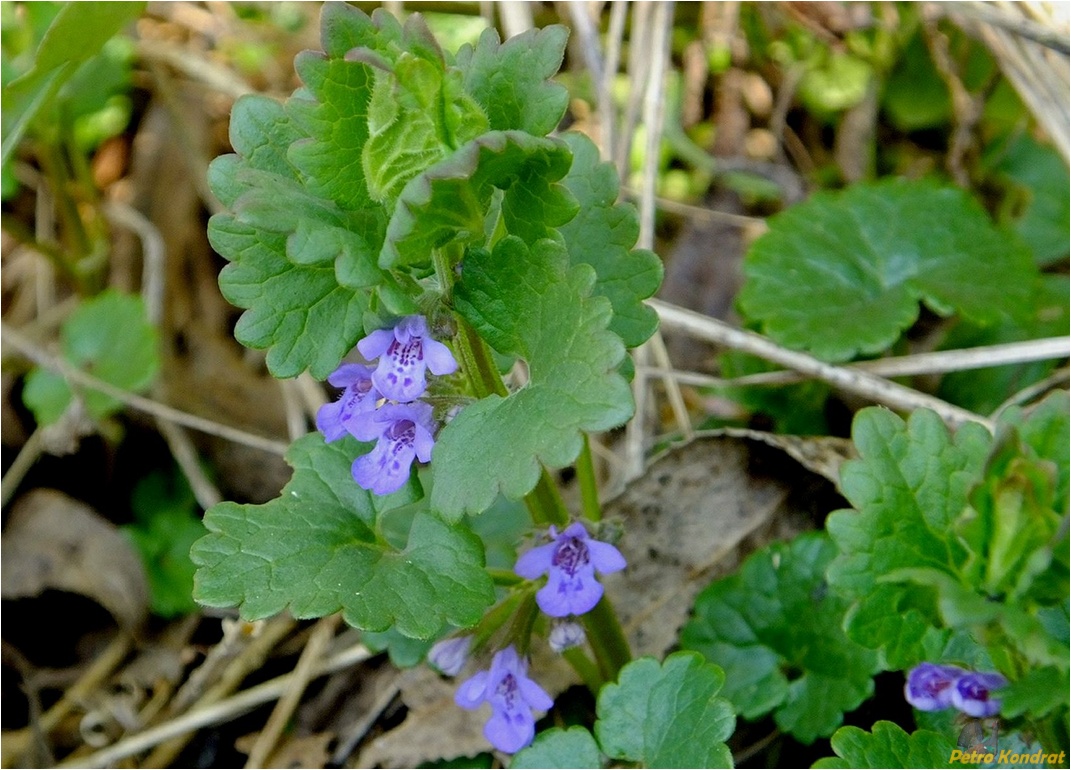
{"x": 450, "y": 655}
{"x": 358, "y": 396}
{"x": 971, "y": 694}
{"x": 566, "y": 634}
{"x": 929, "y": 687}
{"x": 512, "y": 696}
{"x": 403, "y": 432}
{"x": 404, "y": 352}
{"x": 570, "y": 562}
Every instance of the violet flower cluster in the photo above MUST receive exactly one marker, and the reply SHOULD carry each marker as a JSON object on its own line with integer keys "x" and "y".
{"x": 381, "y": 405}
{"x": 932, "y": 687}
{"x": 570, "y": 560}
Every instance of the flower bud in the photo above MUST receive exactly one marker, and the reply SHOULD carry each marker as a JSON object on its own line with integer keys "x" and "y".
{"x": 450, "y": 655}
{"x": 566, "y": 634}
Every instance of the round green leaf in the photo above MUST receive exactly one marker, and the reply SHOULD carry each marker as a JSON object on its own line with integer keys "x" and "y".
{"x": 889, "y": 746}
{"x": 843, "y": 273}
{"x": 557, "y": 748}
{"x": 776, "y": 615}
{"x": 315, "y": 550}
{"x": 667, "y": 715}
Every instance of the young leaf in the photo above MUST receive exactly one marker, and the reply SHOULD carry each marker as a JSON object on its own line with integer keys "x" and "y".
{"x": 109, "y": 337}
{"x": 452, "y": 198}
{"x": 528, "y": 302}
{"x": 1012, "y": 521}
{"x": 557, "y": 748}
{"x": 908, "y": 487}
{"x": 889, "y": 746}
{"x": 602, "y": 235}
{"x": 776, "y": 615}
{"x": 1046, "y": 429}
{"x": 511, "y": 80}
{"x": 868, "y": 255}
{"x": 335, "y": 118}
{"x": 666, "y": 715}
{"x": 418, "y": 114}
{"x": 315, "y": 550}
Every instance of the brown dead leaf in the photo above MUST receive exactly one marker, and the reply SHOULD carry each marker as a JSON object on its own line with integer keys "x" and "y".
{"x": 54, "y": 541}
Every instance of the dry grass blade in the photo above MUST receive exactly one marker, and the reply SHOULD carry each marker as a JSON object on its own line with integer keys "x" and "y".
{"x": 1037, "y": 70}
{"x": 217, "y": 713}
{"x": 299, "y": 680}
{"x": 76, "y": 376}
{"x": 863, "y": 384}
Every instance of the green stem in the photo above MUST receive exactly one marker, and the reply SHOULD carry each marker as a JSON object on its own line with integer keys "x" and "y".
{"x": 545, "y": 505}
{"x": 495, "y": 618}
{"x": 589, "y": 489}
{"x": 478, "y": 364}
{"x": 504, "y": 577}
{"x": 607, "y": 638}
{"x": 444, "y": 260}
{"x": 583, "y": 665}
{"x": 55, "y": 170}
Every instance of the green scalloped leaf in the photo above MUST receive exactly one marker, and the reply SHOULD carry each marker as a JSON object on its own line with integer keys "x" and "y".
{"x": 334, "y": 115}
{"x": 288, "y": 249}
{"x": 889, "y": 746}
{"x": 298, "y": 312}
{"x": 843, "y": 272}
{"x": 777, "y": 616}
{"x": 908, "y": 487}
{"x": 602, "y": 235}
{"x": 667, "y": 715}
{"x": 511, "y": 80}
{"x": 315, "y": 551}
{"x": 557, "y": 748}
{"x": 531, "y": 304}
{"x": 451, "y": 200}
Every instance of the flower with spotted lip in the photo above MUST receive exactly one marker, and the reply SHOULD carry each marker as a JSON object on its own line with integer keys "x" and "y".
{"x": 359, "y": 395}
{"x": 570, "y": 562}
{"x": 404, "y": 353}
{"x": 403, "y": 433}
{"x": 512, "y": 696}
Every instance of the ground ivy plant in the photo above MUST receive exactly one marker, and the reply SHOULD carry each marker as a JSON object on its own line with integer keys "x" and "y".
{"x": 408, "y": 205}
{"x": 406, "y": 227}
